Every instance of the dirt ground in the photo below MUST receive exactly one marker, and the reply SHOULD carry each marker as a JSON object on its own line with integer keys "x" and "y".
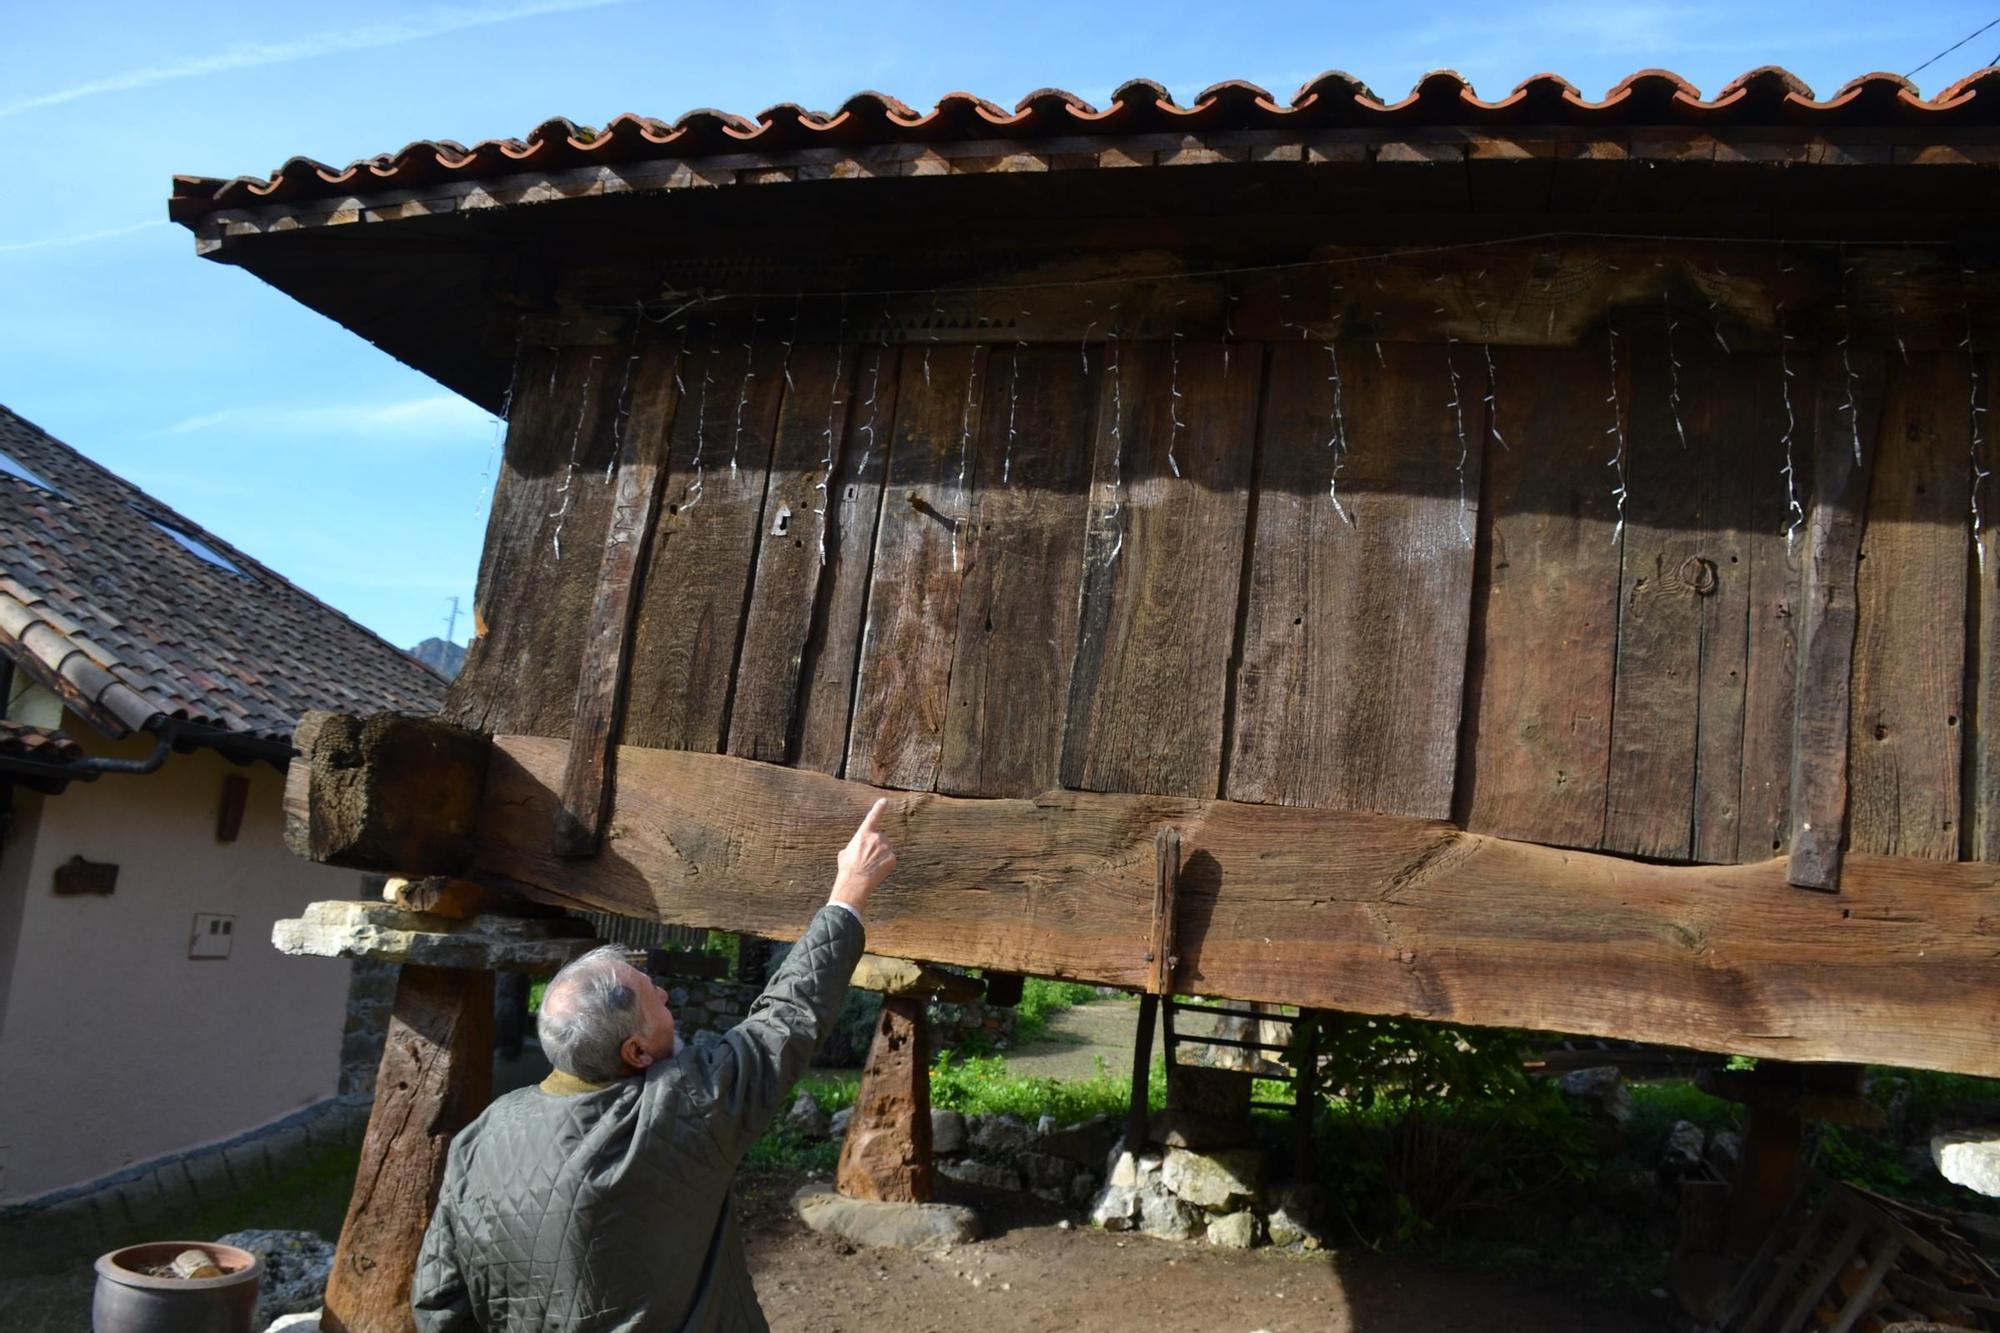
{"x": 1031, "y": 1276}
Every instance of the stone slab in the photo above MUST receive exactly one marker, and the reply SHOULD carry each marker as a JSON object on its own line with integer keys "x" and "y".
{"x": 900, "y": 976}
{"x": 907, "y": 1226}
{"x": 1970, "y": 1158}
{"x": 355, "y": 929}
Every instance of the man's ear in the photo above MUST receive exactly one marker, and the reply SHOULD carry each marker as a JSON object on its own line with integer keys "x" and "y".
{"x": 635, "y": 1054}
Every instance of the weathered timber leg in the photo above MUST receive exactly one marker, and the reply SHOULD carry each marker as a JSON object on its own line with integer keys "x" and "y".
{"x": 385, "y": 792}
{"x": 1768, "y": 1176}
{"x": 436, "y": 1074}
{"x": 1142, "y": 1074}
{"x": 887, "y": 1154}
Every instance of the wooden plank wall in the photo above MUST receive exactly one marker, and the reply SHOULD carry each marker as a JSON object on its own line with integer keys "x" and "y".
{"x": 995, "y": 569}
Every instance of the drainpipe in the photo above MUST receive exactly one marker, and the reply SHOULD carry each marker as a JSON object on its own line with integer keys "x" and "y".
{"x": 169, "y": 733}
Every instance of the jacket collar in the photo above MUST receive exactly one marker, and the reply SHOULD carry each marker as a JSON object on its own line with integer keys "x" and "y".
{"x": 559, "y": 1084}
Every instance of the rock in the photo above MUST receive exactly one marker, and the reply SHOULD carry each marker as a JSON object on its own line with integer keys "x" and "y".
{"x": 1045, "y": 1171}
{"x": 295, "y": 1267}
{"x": 947, "y": 1133}
{"x": 1084, "y": 1144}
{"x": 1001, "y": 1135}
{"x": 1601, "y": 1095}
{"x": 1632, "y": 1192}
{"x": 975, "y": 1171}
{"x": 296, "y": 1323}
{"x": 807, "y": 1117}
{"x": 1725, "y": 1151}
{"x": 1970, "y": 1158}
{"x": 1191, "y": 1129}
{"x": 1116, "y": 1208}
{"x": 1083, "y": 1188}
{"x": 1045, "y": 1126}
{"x": 836, "y": 1128}
{"x": 1163, "y": 1215}
{"x": 1292, "y": 1210}
{"x": 1221, "y": 1182}
{"x": 908, "y": 1226}
{"x": 1236, "y": 1231}
{"x": 1685, "y": 1143}
{"x": 355, "y": 929}
{"x": 883, "y": 1156}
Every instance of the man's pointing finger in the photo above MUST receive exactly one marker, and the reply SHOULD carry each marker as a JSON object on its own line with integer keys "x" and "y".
{"x": 873, "y": 817}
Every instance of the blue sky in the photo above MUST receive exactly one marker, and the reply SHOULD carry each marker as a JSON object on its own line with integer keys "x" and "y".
{"x": 368, "y": 483}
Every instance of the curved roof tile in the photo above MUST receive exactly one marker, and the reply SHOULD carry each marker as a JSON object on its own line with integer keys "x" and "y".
{"x": 1767, "y": 96}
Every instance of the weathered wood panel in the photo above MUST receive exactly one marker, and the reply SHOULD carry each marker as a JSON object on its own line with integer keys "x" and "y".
{"x": 800, "y": 536}
{"x": 543, "y": 546}
{"x": 826, "y": 704}
{"x": 1982, "y": 795}
{"x": 1016, "y": 632}
{"x": 1163, "y": 566}
{"x": 690, "y": 621}
{"x": 924, "y": 543}
{"x": 1904, "y": 731}
{"x": 1539, "y": 694}
{"x": 1369, "y": 913}
{"x": 1353, "y": 666}
{"x": 1847, "y": 411}
{"x": 646, "y": 406}
{"x": 1775, "y": 557}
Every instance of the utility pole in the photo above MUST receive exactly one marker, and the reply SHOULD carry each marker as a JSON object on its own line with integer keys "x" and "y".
{"x": 451, "y": 623}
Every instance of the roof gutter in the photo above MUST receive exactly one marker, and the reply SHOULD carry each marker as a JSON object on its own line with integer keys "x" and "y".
{"x": 170, "y": 734}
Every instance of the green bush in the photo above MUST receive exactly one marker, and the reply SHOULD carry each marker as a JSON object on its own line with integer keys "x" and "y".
{"x": 1042, "y": 999}
{"x": 981, "y": 1085}
{"x": 1429, "y": 1123}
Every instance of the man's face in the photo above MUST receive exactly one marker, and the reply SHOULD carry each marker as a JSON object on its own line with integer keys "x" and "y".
{"x": 655, "y": 1038}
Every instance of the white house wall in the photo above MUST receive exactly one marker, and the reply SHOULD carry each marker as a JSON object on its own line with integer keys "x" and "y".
{"x": 115, "y": 1046}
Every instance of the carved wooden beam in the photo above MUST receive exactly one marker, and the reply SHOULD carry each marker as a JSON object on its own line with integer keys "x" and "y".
{"x": 385, "y": 792}
{"x": 1326, "y": 909}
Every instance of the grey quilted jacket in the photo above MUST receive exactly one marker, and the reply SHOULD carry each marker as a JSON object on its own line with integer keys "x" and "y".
{"x": 609, "y": 1208}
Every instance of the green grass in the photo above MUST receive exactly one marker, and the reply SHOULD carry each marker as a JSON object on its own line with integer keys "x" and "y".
{"x": 1041, "y": 1000}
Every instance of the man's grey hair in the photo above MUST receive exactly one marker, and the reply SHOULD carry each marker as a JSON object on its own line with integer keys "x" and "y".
{"x": 587, "y": 1013}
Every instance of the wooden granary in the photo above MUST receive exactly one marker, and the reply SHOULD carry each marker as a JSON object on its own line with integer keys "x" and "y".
{"x": 1534, "y": 552}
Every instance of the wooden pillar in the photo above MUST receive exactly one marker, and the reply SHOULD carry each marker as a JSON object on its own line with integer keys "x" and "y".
{"x": 1768, "y": 1176}
{"x": 436, "y": 1074}
{"x": 1142, "y": 1074}
{"x": 887, "y": 1153}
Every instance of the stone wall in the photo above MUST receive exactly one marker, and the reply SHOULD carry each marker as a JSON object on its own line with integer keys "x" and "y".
{"x": 703, "y": 1005}
{"x": 371, "y": 995}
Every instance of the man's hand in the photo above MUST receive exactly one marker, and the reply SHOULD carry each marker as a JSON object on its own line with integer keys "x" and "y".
{"x": 865, "y": 861}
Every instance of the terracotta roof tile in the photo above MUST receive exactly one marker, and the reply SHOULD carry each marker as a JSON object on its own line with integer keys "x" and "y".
{"x": 132, "y": 626}
{"x": 19, "y": 740}
{"x": 1766, "y": 96}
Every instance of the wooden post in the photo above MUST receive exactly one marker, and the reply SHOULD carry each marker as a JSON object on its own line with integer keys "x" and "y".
{"x": 1305, "y": 1091}
{"x": 1142, "y": 1074}
{"x": 887, "y": 1153}
{"x": 436, "y": 1075}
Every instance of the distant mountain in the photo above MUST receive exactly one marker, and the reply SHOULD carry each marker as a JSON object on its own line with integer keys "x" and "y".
{"x": 440, "y": 655}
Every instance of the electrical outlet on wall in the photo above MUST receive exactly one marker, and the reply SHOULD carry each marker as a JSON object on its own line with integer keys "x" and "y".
{"x": 213, "y": 934}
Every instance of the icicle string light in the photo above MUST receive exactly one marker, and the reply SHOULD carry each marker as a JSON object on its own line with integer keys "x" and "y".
{"x": 1228, "y": 325}
{"x": 1795, "y": 514}
{"x": 1013, "y": 399}
{"x": 1852, "y": 406}
{"x": 1493, "y": 400}
{"x": 1617, "y": 431}
{"x": 1337, "y": 441}
{"x": 500, "y": 424}
{"x": 1976, "y": 444}
{"x": 960, "y": 516}
{"x": 937, "y": 317}
{"x": 792, "y": 338}
{"x": 749, "y": 374}
{"x": 566, "y": 490}
{"x": 1174, "y": 400}
{"x": 1117, "y": 444}
{"x": 874, "y": 391}
{"x": 621, "y": 406}
{"x": 833, "y": 418}
{"x": 692, "y": 497}
{"x": 1457, "y": 405}
{"x": 1673, "y": 371}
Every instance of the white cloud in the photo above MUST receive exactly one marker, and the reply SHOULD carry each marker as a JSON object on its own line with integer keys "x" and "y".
{"x": 249, "y": 55}
{"x": 443, "y": 414}
{"x": 81, "y": 238}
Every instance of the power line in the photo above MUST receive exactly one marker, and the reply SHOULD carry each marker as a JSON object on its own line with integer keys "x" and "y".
{"x": 1953, "y": 47}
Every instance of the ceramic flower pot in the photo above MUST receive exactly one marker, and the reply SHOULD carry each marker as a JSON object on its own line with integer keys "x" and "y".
{"x": 130, "y": 1299}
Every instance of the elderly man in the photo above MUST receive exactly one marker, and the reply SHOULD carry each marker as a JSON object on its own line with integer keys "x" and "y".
{"x": 600, "y": 1199}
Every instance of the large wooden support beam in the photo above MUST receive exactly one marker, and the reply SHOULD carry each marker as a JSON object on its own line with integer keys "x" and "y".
{"x": 436, "y": 1074}
{"x": 1324, "y": 909}
{"x": 887, "y": 1152}
{"x": 385, "y": 792}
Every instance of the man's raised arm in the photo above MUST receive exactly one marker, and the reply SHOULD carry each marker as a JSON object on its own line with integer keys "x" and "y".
{"x": 757, "y": 1062}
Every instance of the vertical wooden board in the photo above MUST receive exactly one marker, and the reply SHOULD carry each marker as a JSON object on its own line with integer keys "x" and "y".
{"x": 1775, "y": 554}
{"x": 544, "y": 544}
{"x": 1539, "y": 689}
{"x": 1847, "y": 409}
{"x": 691, "y": 613}
{"x": 833, "y": 645}
{"x": 1982, "y": 795}
{"x": 1353, "y": 668}
{"x": 1163, "y": 567}
{"x": 1017, "y": 611}
{"x": 1649, "y": 803}
{"x": 800, "y": 533}
{"x": 923, "y": 544}
{"x": 1909, "y": 650}
{"x": 1725, "y": 412}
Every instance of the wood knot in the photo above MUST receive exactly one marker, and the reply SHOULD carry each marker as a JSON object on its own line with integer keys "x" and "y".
{"x": 1698, "y": 573}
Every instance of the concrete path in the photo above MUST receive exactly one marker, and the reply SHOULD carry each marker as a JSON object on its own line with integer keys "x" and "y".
{"x": 1077, "y": 1038}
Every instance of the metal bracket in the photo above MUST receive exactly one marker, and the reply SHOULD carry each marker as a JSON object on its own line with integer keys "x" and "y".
{"x": 1160, "y": 957}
